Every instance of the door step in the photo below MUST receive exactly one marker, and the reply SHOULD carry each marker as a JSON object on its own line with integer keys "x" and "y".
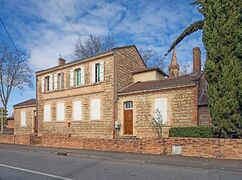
{"x": 127, "y": 137}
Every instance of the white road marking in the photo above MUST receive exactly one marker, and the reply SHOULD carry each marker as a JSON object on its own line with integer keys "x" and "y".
{"x": 35, "y": 172}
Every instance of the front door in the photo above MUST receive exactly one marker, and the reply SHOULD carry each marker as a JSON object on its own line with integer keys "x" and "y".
{"x": 128, "y": 117}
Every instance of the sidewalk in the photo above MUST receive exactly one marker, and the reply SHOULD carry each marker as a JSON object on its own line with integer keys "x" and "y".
{"x": 204, "y": 163}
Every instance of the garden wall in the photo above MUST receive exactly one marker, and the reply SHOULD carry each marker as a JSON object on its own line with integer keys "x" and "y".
{"x": 194, "y": 147}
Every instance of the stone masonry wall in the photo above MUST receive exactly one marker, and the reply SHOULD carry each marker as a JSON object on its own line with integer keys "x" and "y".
{"x": 127, "y": 61}
{"x": 194, "y": 147}
{"x": 102, "y": 128}
{"x": 182, "y": 109}
{"x": 29, "y": 128}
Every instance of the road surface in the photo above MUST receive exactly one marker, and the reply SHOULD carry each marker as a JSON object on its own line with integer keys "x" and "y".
{"x": 25, "y": 162}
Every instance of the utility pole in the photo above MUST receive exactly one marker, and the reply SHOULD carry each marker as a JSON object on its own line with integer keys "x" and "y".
{"x": 3, "y": 117}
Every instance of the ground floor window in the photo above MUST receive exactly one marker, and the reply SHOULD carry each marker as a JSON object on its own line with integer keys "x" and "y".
{"x": 23, "y": 119}
{"x": 95, "y": 109}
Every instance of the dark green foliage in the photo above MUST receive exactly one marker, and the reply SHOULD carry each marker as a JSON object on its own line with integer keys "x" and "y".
{"x": 196, "y": 132}
{"x": 222, "y": 38}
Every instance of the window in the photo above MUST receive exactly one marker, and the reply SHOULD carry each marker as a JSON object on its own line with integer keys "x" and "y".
{"x": 78, "y": 77}
{"x": 128, "y": 105}
{"x": 95, "y": 109}
{"x": 47, "y": 83}
{"x": 77, "y": 110}
{"x": 60, "y": 80}
{"x": 97, "y": 72}
{"x": 47, "y": 112}
{"x": 160, "y": 110}
{"x": 60, "y": 112}
{"x": 23, "y": 119}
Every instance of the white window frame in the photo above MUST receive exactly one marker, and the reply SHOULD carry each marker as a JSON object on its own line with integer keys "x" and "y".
{"x": 47, "y": 117}
{"x": 77, "y": 116}
{"x": 23, "y": 119}
{"x": 95, "y": 109}
{"x": 60, "y": 116}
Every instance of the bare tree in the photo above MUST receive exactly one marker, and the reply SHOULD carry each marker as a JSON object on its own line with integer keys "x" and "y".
{"x": 157, "y": 123}
{"x": 185, "y": 69}
{"x": 151, "y": 58}
{"x": 14, "y": 72}
{"x": 93, "y": 45}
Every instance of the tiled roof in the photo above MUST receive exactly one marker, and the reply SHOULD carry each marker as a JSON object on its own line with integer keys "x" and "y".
{"x": 26, "y": 103}
{"x": 89, "y": 58}
{"x": 162, "y": 84}
{"x": 151, "y": 69}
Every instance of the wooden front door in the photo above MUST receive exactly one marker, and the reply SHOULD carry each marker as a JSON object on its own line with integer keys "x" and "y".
{"x": 128, "y": 118}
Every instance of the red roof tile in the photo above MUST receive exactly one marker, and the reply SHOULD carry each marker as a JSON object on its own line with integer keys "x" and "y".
{"x": 162, "y": 84}
{"x": 26, "y": 103}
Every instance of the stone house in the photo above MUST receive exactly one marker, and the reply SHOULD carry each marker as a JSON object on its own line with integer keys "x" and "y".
{"x": 112, "y": 95}
{"x": 178, "y": 100}
{"x": 25, "y": 121}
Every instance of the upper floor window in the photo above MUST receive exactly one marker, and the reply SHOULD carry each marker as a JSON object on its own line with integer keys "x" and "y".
{"x": 77, "y": 77}
{"x": 47, "y": 83}
{"x": 97, "y": 72}
{"x": 60, "y": 80}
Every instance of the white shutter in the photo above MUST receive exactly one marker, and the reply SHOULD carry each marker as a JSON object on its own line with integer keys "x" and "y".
{"x": 160, "y": 105}
{"x": 23, "y": 118}
{"x": 60, "y": 112}
{"x": 43, "y": 84}
{"x": 62, "y": 81}
{"x": 93, "y": 73}
{"x": 51, "y": 82}
{"x": 77, "y": 110}
{"x": 47, "y": 112}
{"x": 82, "y": 76}
{"x": 101, "y": 71}
{"x": 56, "y": 82}
{"x": 95, "y": 109}
{"x": 72, "y": 77}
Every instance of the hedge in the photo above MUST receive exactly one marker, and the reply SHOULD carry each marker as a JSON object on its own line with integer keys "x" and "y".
{"x": 196, "y": 132}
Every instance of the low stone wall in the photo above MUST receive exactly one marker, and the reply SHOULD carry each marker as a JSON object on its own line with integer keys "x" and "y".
{"x": 208, "y": 147}
{"x": 15, "y": 139}
{"x": 195, "y": 147}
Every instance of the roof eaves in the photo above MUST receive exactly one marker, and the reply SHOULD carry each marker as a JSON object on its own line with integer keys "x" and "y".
{"x": 156, "y": 89}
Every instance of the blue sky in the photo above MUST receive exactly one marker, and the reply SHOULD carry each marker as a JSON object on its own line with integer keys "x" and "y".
{"x": 38, "y": 27}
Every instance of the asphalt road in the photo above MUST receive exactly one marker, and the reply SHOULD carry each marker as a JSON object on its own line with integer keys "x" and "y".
{"x": 20, "y": 162}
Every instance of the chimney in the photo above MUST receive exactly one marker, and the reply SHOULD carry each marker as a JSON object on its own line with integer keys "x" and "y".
{"x": 196, "y": 60}
{"x": 174, "y": 66}
{"x": 61, "y": 62}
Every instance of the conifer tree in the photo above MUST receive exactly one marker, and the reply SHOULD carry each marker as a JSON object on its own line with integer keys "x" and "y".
{"x": 222, "y": 38}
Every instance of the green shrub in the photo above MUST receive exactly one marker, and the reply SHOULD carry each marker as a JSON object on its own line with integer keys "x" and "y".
{"x": 197, "y": 132}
